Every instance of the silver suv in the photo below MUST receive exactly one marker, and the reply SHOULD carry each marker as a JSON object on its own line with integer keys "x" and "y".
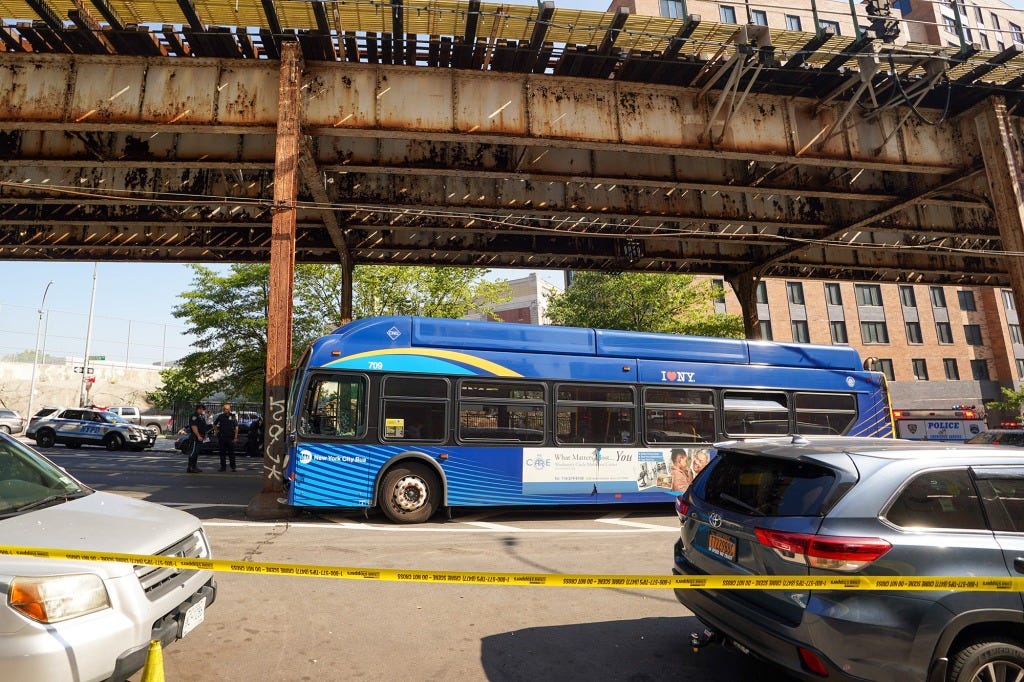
{"x": 841, "y": 506}
{"x": 81, "y": 621}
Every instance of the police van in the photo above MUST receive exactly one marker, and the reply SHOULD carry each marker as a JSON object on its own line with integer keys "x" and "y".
{"x": 958, "y": 424}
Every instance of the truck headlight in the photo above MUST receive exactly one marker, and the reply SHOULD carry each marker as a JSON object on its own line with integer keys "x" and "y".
{"x": 55, "y": 598}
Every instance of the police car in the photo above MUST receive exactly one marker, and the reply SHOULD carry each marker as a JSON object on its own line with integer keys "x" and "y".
{"x": 83, "y": 426}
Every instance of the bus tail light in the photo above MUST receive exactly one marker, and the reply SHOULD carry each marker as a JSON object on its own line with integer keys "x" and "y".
{"x": 829, "y": 552}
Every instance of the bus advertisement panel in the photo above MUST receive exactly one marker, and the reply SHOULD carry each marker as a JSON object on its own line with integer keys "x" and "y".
{"x": 411, "y": 414}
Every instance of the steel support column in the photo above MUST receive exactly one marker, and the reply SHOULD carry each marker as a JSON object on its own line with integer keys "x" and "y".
{"x": 282, "y": 278}
{"x": 1000, "y": 152}
{"x": 744, "y": 285}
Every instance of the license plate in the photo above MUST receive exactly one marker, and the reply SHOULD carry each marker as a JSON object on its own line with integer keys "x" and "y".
{"x": 722, "y": 545}
{"x": 194, "y": 616}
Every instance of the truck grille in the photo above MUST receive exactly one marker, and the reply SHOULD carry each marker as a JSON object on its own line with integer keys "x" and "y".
{"x": 157, "y": 580}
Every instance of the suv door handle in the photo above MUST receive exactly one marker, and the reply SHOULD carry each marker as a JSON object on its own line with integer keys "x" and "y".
{"x": 1018, "y": 564}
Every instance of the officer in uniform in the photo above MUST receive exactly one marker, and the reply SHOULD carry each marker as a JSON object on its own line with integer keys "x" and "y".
{"x": 226, "y": 426}
{"x": 197, "y": 427}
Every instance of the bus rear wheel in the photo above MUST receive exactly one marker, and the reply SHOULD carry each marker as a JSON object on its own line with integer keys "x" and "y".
{"x": 409, "y": 493}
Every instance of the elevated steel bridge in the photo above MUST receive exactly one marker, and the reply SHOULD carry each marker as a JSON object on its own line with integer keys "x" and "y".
{"x": 460, "y": 133}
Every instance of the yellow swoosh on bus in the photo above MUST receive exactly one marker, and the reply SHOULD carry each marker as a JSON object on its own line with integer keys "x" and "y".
{"x": 464, "y": 358}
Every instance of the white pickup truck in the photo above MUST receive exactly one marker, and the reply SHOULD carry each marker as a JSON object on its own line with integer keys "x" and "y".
{"x": 163, "y": 423}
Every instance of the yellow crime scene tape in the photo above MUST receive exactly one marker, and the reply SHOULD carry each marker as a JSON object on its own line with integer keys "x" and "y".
{"x": 684, "y": 582}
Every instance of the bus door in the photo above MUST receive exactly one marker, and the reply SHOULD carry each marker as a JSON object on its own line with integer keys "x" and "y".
{"x": 331, "y": 466}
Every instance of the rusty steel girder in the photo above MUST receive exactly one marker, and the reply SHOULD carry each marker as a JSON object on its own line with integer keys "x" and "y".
{"x": 173, "y": 159}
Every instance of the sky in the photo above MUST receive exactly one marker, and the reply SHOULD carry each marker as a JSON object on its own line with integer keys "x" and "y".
{"x": 132, "y": 321}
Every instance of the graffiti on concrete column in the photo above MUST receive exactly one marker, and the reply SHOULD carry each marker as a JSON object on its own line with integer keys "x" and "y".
{"x": 275, "y": 452}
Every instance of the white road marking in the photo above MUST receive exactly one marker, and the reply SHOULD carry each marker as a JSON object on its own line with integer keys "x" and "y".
{"x": 447, "y": 528}
{"x": 617, "y": 520}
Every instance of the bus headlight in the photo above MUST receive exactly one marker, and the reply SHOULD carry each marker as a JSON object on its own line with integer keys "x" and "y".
{"x": 52, "y": 599}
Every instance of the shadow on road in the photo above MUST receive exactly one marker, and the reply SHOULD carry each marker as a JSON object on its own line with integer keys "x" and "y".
{"x": 641, "y": 650}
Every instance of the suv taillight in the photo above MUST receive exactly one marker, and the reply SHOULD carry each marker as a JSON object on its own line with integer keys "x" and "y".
{"x": 829, "y": 552}
{"x": 682, "y": 507}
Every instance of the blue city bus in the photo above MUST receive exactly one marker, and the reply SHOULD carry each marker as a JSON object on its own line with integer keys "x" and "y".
{"x": 411, "y": 414}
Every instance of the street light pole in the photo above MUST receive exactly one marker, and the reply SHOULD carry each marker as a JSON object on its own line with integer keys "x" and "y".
{"x": 35, "y": 357}
{"x": 88, "y": 339}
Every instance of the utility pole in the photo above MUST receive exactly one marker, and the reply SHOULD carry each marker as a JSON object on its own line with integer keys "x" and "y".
{"x": 88, "y": 339}
{"x": 35, "y": 357}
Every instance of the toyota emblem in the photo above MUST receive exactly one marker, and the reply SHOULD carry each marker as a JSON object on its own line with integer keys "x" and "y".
{"x": 715, "y": 519}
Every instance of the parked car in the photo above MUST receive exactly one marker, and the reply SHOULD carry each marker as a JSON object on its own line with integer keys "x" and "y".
{"x": 84, "y": 426}
{"x": 246, "y": 443}
{"x": 162, "y": 423}
{"x": 64, "y": 620}
{"x": 879, "y": 507}
{"x": 11, "y": 421}
{"x": 40, "y": 415}
{"x": 999, "y": 437}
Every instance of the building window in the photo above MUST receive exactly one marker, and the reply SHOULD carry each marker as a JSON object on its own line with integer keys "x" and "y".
{"x": 1008, "y": 300}
{"x": 838, "y": 330}
{"x": 762, "y": 293}
{"x": 727, "y": 14}
{"x": 1020, "y": 368}
{"x": 833, "y": 294}
{"x": 832, "y": 26}
{"x": 874, "y": 332}
{"x": 759, "y": 17}
{"x": 907, "y": 297}
{"x": 673, "y": 9}
{"x": 944, "y": 332}
{"x": 766, "y": 330}
{"x": 938, "y": 297}
{"x": 914, "y": 332}
{"x": 793, "y": 23}
{"x": 795, "y": 291}
{"x": 719, "y": 286}
{"x": 800, "y": 332}
{"x": 1015, "y": 31}
{"x": 972, "y": 333}
{"x": 995, "y": 21}
{"x": 950, "y": 24}
{"x": 1015, "y": 333}
{"x": 884, "y": 365}
{"x": 979, "y": 370}
{"x": 952, "y": 370}
{"x": 920, "y": 369}
{"x": 978, "y": 15}
{"x": 868, "y": 294}
{"x": 984, "y": 41}
{"x": 966, "y": 299}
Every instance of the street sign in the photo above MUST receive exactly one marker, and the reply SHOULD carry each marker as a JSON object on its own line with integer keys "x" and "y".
{"x": 97, "y": 357}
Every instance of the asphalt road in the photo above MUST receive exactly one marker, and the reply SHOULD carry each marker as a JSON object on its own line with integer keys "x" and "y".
{"x": 278, "y": 628}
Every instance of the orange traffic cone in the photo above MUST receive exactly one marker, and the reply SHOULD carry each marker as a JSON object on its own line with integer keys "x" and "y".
{"x": 153, "y": 671}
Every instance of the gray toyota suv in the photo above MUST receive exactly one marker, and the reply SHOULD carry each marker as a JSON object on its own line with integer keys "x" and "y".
{"x": 845, "y": 506}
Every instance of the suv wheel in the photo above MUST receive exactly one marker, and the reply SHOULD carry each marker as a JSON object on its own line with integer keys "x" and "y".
{"x": 988, "y": 662}
{"x": 45, "y": 438}
{"x": 114, "y": 441}
{"x": 5, "y": 428}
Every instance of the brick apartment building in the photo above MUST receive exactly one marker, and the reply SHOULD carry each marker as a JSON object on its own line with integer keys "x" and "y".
{"x": 939, "y": 346}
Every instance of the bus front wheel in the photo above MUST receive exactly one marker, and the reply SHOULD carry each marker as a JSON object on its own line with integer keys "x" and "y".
{"x": 409, "y": 493}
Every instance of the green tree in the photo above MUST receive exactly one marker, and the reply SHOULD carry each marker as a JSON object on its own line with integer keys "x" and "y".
{"x": 227, "y": 313}
{"x": 179, "y": 385}
{"x": 426, "y": 291}
{"x": 641, "y": 301}
{"x": 1012, "y": 402}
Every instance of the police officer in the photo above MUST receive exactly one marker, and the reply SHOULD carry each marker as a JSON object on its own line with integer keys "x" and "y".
{"x": 197, "y": 427}
{"x": 226, "y": 426}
